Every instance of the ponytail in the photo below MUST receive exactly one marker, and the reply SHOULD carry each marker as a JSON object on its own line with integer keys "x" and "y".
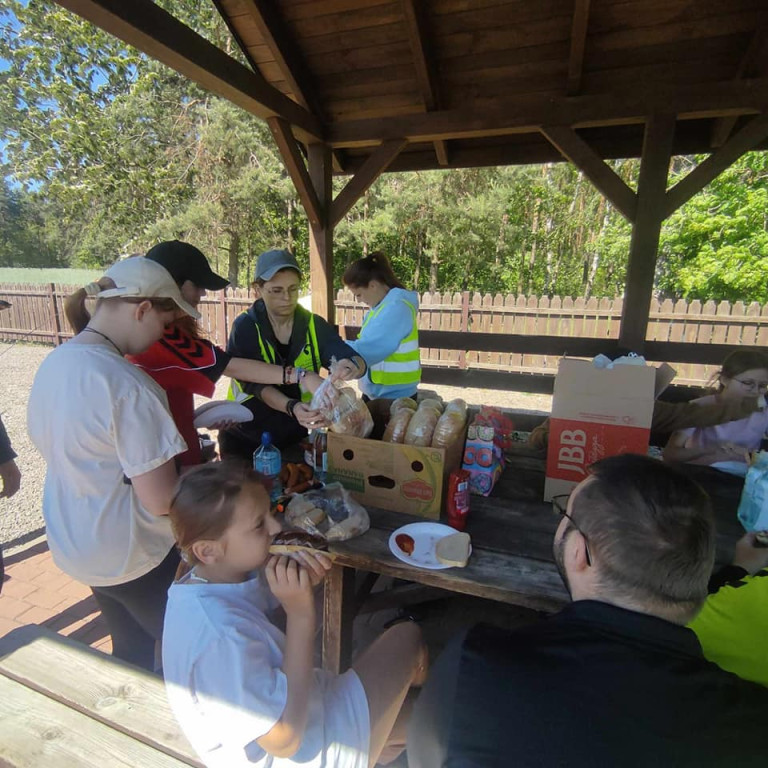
{"x": 74, "y": 305}
{"x": 376, "y": 266}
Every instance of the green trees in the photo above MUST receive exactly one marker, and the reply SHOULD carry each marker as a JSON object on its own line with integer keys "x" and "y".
{"x": 104, "y": 151}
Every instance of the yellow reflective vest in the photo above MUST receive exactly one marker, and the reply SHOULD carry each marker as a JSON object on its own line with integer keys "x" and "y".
{"x": 402, "y": 367}
{"x": 308, "y": 358}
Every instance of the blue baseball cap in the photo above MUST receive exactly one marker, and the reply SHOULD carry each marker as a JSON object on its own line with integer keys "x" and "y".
{"x": 271, "y": 262}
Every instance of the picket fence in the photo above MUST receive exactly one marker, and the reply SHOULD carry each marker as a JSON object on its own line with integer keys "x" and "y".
{"x": 36, "y": 315}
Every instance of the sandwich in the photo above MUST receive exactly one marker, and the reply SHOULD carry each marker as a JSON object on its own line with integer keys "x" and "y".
{"x": 288, "y": 542}
{"x": 454, "y": 550}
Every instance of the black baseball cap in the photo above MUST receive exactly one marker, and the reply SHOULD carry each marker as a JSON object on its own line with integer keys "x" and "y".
{"x": 185, "y": 262}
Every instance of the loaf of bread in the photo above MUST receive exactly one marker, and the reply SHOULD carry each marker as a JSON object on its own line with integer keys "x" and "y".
{"x": 407, "y": 403}
{"x": 398, "y": 426}
{"x": 422, "y": 427}
{"x": 449, "y": 428}
{"x": 453, "y": 550}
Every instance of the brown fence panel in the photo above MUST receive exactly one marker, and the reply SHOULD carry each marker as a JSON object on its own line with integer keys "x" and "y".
{"x": 37, "y": 315}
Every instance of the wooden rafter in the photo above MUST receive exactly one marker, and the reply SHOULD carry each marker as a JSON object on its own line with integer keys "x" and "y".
{"x": 426, "y": 73}
{"x": 297, "y": 170}
{"x": 157, "y": 33}
{"x": 291, "y": 64}
{"x": 371, "y": 169}
{"x": 525, "y": 114}
{"x": 578, "y": 44}
{"x": 750, "y": 135}
{"x": 753, "y": 63}
{"x": 575, "y": 149}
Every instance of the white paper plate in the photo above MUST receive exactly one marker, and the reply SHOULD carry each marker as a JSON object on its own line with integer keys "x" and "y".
{"x": 425, "y": 536}
{"x": 738, "y": 468}
{"x": 221, "y": 410}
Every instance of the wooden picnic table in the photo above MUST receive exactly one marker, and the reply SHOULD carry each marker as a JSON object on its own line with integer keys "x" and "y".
{"x": 65, "y": 704}
{"x": 512, "y": 562}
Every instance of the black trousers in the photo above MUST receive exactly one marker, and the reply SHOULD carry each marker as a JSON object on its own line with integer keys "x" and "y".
{"x": 135, "y": 612}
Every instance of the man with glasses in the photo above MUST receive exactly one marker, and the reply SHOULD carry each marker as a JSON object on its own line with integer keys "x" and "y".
{"x": 615, "y": 678}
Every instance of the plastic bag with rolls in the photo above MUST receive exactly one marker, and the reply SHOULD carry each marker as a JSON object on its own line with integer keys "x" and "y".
{"x": 346, "y": 414}
{"x": 330, "y": 512}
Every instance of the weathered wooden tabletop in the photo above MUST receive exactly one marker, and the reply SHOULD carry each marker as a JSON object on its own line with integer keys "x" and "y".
{"x": 65, "y": 704}
{"x": 512, "y": 562}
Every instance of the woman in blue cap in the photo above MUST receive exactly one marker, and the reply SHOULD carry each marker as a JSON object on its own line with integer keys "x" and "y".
{"x": 277, "y": 330}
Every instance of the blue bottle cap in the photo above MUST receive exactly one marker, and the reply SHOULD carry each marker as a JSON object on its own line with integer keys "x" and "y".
{"x": 266, "y": 438}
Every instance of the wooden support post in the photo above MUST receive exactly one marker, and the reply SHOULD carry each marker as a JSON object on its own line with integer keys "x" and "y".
{"x": 321, "y": 233}
{"x": 651, "y": 202}
{"x": 338, "y": 602}
{"x": 54, "y": 310}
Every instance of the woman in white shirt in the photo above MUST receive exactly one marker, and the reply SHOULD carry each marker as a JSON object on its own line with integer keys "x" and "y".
{"x": 109, "y": 442}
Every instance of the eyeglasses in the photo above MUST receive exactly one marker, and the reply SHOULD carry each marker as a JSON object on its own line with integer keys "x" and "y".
{"x": 560, "y": 505}
{"x": 761, "y": 386}
{"x": 292, "y": 292}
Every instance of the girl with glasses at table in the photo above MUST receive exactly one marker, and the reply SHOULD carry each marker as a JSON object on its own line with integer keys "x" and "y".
{"x": 726, "y": 447}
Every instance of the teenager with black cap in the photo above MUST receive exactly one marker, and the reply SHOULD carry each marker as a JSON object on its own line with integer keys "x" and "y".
{"x": 184, "y": 363}
{"x": 276, "y": 329}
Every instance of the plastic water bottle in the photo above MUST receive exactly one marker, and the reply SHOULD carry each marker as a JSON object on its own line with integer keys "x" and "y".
{"x": 268, "y": 463}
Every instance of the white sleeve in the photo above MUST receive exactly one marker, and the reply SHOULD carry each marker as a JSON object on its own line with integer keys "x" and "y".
{"x": 145, "y": 434}
{"x": 240, "y": 693}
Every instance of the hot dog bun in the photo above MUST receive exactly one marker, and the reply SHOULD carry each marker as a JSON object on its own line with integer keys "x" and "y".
{"x": 286, "y": 542}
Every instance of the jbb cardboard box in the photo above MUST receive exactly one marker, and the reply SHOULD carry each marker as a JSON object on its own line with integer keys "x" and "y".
{"x": 598, "y": 412}
{"x": 402, "y": 478}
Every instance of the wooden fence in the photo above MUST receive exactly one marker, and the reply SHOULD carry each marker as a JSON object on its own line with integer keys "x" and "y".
{"x": 36, "y": 314}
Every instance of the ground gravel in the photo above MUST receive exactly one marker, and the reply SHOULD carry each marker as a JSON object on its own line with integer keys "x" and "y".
{"x": 21, "y": 518}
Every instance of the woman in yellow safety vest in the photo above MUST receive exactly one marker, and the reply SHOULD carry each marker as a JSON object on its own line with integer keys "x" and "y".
{"x": 389, "y": 337}
{"x": 277, "y": 330}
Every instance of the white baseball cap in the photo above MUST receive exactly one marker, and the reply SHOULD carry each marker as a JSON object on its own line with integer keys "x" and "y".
{"x": 141, "y": 277}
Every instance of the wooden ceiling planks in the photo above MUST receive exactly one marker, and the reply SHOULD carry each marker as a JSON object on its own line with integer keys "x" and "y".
{"x": 367, "y": 69}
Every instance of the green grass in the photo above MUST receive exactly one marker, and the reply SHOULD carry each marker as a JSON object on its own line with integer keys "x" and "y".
{"x": 76, "y": 277}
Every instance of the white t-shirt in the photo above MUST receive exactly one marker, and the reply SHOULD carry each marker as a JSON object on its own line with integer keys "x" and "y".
{"x": 222, "y": 661}
{"x": 98, "y": 419}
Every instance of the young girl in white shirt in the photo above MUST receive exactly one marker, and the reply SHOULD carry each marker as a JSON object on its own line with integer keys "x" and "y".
{"x": 109, "y": 443}
{"x": 744, "y": 373}
{"x": 244, "y": 692}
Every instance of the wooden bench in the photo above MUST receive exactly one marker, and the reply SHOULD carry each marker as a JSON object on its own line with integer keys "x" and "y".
{"x": 65, "y": 704}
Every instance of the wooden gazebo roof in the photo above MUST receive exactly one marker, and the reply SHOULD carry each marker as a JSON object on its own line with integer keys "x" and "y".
{"x": 364, "y": 86}
{"x": 471, "y": 82}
